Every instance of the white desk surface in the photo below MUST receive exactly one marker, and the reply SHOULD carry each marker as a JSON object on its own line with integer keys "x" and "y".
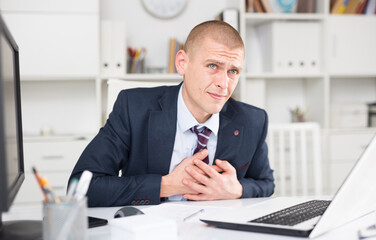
{"x": 195, "y": 229}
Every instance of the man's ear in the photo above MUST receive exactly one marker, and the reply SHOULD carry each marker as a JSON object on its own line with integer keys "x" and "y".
{"x": 181, "y": 60}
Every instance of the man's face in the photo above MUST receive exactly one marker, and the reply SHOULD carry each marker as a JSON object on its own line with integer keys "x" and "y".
{"x": 211, "y": 73}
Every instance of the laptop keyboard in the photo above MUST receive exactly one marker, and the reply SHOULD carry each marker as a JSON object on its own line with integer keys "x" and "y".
{"x": 295, "y": 214}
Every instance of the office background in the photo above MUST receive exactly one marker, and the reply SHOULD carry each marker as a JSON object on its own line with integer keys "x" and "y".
{"x": 320, "y": 64}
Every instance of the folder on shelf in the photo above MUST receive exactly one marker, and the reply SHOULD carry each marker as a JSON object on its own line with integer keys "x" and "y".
{"x": 306, "y": 6}
{"x": 113, "y": 50}
{"x": 290, "y": 47}
{"x": 230, "y": 16}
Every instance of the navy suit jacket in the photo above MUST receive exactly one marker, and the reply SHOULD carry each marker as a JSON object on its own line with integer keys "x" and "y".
{"x": 138, "y": 140}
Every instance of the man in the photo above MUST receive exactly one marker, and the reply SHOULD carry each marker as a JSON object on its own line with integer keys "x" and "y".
{"x": 152, "y": 133}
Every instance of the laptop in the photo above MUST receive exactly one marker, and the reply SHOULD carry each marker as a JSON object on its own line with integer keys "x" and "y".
{"x": 298, "y": 217}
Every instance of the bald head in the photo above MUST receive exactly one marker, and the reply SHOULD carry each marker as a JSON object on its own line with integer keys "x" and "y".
{"x": 218, "y": 31}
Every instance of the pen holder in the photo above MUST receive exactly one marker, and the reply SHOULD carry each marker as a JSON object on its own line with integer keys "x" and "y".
{"x": 66, "y": 220}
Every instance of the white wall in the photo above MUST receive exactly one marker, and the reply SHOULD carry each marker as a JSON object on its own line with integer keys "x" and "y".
{"x": 144, "y": 30}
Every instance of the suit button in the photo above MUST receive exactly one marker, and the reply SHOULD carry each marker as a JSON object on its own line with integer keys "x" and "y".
{"x": 147, "y": 201}
{"x": 142, "y": 202}
{"x": 138, "y": 202}
{"x": 133, "y": 202}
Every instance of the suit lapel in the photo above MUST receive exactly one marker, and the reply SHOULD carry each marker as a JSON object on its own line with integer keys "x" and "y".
{"x": 230, "y": 134}
{"x": 161, "y": 132}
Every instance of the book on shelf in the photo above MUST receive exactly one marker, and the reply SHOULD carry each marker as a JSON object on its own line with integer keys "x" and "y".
{"x": 230, "y": 16}
{"x": 306, "y": 6}
{"x": 370, "y": 9}
{"x": 339, "y": 7}
{"x": 362, "y": 7}
{"x": 250, "y": 6}
{"x": 353, "y": 6}
{"x": 174, "y": 48}
{"x": 258, "y": 6}
{"x": 267, "y": 6}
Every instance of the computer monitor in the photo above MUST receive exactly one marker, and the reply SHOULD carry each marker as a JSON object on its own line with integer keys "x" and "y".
{"x": 12, "y": 171}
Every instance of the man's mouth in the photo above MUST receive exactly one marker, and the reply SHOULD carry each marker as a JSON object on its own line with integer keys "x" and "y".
{"x": 217, "y": 96}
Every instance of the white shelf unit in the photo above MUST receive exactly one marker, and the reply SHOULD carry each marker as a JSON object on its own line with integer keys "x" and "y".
{"x": 347, "y": 75}
{"x": 59, "y": 62}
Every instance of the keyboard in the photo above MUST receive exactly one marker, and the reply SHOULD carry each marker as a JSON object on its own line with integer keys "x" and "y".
{"x": 296, "y": 214}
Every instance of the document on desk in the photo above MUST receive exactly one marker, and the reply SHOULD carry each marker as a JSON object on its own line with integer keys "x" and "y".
{"x": 180, "y": 212}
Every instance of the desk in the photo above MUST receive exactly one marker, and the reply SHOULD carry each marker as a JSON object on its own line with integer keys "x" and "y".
{"x": 196, "y": 229}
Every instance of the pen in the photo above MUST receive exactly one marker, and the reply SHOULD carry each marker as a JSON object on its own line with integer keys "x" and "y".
{"x": 83, "y": 185}
{"x": 194, "y": 214}
{"x": 39, "y": 179}
{"x": 72, "y": 189}
{"x": 49, "y": 196}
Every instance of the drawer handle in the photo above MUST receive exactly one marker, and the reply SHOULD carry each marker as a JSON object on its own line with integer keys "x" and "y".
{"x": 53, "y": 157}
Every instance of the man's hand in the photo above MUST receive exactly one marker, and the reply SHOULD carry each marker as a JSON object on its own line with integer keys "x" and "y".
{"x": 212, "y": 185}
{"x": 172, "y": 184}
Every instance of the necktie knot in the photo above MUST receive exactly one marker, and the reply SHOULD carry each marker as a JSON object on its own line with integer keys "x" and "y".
{"x": 203, "y": 135}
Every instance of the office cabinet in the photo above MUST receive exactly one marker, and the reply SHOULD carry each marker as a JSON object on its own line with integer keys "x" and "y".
{"x": 352, "y": 40}
{"x": 345, "y": 149}
{"x": 55, "y": 45}
{"x": 54, "y": 159}
{"x": 48, "y": 6}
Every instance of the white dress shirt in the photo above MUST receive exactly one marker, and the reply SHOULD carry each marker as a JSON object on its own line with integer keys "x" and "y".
{"x": 186, "y": 140}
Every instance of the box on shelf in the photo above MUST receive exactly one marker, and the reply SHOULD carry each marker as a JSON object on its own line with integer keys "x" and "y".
{"x": 290, "y": 46}
{"x": 349, "y": 115}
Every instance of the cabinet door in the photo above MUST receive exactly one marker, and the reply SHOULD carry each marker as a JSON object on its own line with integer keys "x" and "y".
{"x": 77, "y": 6}
{"x": 353, "y": 48}
{"x": 345, "y": 150}
{"x": 55, "y": 45}
{"x": 54, "y": 160}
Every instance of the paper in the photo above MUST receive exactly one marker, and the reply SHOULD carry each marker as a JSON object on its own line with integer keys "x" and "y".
{"x": 179, "y": 212}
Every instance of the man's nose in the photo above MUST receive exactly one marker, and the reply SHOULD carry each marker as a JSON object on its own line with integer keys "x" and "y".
{"x": 222, "y": 80}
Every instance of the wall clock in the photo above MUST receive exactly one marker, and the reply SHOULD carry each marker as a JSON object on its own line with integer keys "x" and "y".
{"x": 164, "y": 8}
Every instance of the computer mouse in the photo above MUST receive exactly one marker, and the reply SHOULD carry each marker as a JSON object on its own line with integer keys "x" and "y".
{"x": 127, "y": 211}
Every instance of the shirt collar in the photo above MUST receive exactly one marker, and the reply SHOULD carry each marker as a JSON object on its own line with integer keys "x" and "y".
{"x": 187, "y": 121}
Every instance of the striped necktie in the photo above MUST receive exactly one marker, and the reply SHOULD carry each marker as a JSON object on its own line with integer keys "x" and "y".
{"x": 202, "y": 139}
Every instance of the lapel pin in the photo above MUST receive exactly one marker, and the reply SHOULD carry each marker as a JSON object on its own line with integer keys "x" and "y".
{"x": 236, "y": 132}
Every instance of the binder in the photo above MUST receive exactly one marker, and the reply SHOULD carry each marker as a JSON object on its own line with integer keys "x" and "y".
{"x": 290, "y": 47}
{"x": 230, "y": 16}
{"x": 113, "y": 48}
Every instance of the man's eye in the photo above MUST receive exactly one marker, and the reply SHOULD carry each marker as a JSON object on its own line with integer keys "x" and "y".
{"x": 233, "y": 71}
{"x": 212, "y": 66}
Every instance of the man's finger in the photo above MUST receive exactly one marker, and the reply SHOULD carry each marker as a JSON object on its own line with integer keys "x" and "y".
{"x": 201, "y": 155}
{"x": 226, "y": 166}
{"x": 216, "y": 168}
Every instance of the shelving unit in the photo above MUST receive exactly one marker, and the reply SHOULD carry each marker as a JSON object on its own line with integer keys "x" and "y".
{"x": 347, "y": 75}
{"x": 59, "y": 54}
